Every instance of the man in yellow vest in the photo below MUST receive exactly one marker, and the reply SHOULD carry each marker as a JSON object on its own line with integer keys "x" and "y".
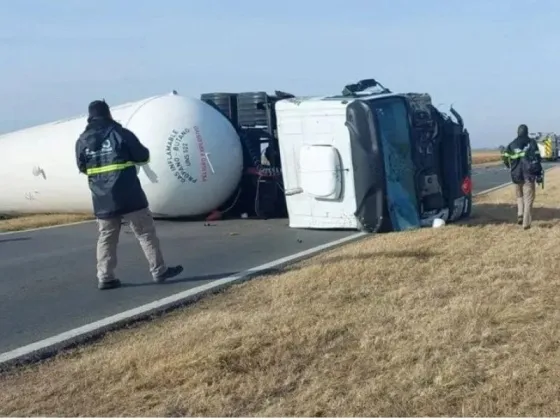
{"x": 108, "y": 154}
{"x": 523, "y": 159}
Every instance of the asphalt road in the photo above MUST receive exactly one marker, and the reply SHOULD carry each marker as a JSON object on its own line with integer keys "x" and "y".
{"x": 485, "y": 178}
{"x": 48, "y": 284}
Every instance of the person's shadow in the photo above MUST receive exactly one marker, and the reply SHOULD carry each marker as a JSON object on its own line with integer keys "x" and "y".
{"x": 201, "y": 279}
{"x": 498, "y": 214}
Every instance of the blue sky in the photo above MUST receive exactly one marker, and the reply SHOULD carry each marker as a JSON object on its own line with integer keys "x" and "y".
{"x": 497, "y": 61}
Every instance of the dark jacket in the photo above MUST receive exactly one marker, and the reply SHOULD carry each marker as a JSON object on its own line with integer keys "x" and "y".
{"x": 523, "y": 158}
{"x": 107, "y": 152}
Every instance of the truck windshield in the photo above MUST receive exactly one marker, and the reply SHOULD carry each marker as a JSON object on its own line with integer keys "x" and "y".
{"x": 392, "y": 127}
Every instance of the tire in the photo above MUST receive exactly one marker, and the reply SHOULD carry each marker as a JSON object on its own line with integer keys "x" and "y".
{"x": 249, "y": 115}
{"x": 226, "y": 103}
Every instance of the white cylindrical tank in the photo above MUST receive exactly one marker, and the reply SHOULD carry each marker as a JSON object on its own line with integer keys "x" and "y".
{"x": 196, "y": 160}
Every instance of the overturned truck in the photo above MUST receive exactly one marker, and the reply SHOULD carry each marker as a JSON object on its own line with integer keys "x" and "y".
{"x": 372, "y": 161}
{"x": 368, "y": 159}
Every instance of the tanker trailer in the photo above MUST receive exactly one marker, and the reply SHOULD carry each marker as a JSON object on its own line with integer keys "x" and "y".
{"x": 196, "y": 160}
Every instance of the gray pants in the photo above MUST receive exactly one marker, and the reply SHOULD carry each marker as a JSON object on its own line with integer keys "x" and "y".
{"x": 142, "y": 224}
{"x": 525, "y": 194}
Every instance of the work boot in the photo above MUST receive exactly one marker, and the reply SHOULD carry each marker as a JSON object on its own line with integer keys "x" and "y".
{"x": 169, "y": 273}
{"x": 112, "y": 284}
{"x": 519, "y": 220}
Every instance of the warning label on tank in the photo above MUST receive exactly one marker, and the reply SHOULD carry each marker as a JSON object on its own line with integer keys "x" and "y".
{"x": 178, "y": 156}
{"x": 203, "y": 157}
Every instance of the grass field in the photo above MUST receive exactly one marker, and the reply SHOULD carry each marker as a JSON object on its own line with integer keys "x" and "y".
{"x": 21, "y": 222}
{"x": 480, "y": 157}
{"x": 457, "y": 321}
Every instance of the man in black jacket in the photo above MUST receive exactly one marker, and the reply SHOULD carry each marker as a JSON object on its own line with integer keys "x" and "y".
{"x": 523, "y": 158}
{"x": 108, "y": 154}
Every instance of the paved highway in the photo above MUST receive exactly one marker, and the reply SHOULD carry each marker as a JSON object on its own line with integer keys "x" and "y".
{"x": 485, "y": 178}
{"x": 48, "y": 284}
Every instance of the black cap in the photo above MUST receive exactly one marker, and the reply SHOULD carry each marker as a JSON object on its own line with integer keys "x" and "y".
{"x": 99, "y": 109}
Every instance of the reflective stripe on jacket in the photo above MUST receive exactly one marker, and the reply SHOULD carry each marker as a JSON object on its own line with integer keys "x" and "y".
{"x": 108, "y": 154}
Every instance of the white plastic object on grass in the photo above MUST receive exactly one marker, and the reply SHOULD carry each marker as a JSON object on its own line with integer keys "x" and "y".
{"x": 438, "y": 223}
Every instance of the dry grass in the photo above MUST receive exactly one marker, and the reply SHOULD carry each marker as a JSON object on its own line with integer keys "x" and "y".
{"x": 486, "y": 156}
{"x": 458, "y": 321}
{"x": 9, "y": 223}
